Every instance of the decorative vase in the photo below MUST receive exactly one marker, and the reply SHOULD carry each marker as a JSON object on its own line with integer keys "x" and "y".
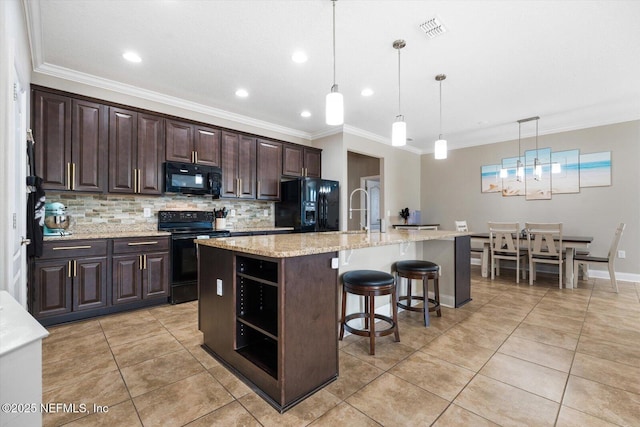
{"x": 221, "y": 223}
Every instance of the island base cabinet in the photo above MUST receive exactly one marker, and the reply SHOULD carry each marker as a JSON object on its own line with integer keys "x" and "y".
{"x": 272, "y": 321}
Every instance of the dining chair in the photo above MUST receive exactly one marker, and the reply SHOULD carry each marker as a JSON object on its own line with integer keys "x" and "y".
{"x": 544, "y": 241}
{"x": 585, "y": 260}
{"x": 462, "y": 226}
{"x": 504, "y": 242}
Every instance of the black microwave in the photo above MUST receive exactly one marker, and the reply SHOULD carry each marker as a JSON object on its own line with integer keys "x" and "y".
{"x": 191, "y": 178}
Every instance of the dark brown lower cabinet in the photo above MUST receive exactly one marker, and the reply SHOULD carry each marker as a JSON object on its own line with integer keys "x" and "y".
{"x": 142, "y": 272}
{"x": 68, "y": 278}
{"x": 272, "y": 321}
{"x": 77, "y": 279}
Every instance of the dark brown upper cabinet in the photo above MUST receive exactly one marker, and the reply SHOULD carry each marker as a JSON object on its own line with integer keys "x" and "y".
{"x": 71, "y": 142}
{"x": 192, "y": 143}
{"x": 301, "y": 161}
{"x": 238, "y": 162}
{"x": 136, "y": 152}
{"x": 268, "y": 169}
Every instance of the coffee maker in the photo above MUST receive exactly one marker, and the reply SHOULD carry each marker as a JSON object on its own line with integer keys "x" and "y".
{"x": 56, "y": 220}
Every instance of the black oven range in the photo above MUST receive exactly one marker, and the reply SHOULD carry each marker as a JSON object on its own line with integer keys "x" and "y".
{"x": 185, "y": 226}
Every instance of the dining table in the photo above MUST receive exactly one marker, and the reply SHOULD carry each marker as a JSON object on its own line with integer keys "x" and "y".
{"x": 570, "y": 244}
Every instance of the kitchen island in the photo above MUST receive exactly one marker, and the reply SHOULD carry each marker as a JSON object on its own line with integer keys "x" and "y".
{"x": 268, "y": 305}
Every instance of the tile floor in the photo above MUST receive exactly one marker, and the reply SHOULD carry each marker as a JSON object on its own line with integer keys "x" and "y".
{"x": 515, "y": 356}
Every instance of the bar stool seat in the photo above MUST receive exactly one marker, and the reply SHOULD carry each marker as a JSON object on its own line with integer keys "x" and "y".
{"x": 423, "y": 270}
{"x": 369, "y": 283}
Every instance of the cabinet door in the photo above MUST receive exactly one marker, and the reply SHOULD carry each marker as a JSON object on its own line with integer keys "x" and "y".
{"x": 126, "y": 278}
{"x": 150, "y": 153}
{"x": 313, "y": 163}
{"x": 52, "y": 288}
{"x": 89, "y": 146}
{"x": 123, "y": 131}
{"x": 155, "y": 275}
{"x": 179, "y": 141}
{"x": 292, "y": 160}
{"x": 206, "y": 144}
{"x": 230, "y": 149}
{"x": 247, "y": 167}
{"x": 90, "y": 283}
{"x": 268, "y": 169}
{"x": 52, "y": 132}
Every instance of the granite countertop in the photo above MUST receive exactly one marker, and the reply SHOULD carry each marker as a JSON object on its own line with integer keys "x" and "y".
{"x": 257, "y": 229}
{"x": 105, "y": 234}
{"x": 298, "y": 244}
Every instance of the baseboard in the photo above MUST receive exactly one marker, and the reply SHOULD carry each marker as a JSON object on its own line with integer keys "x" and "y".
{"x": 620, "y": 277}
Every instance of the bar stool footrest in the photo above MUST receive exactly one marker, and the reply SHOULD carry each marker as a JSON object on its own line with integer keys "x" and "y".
{"x": 433, "y": 304}
{"x": 366, "y": 332}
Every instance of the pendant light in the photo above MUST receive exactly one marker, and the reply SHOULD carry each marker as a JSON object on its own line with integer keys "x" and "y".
{"x": 519, "y": 165}
{"x": 537, "y": 167}
{"x": 335, "y": 102}
{"x": 440, "y": 151}
{"x": 399, "y": 128}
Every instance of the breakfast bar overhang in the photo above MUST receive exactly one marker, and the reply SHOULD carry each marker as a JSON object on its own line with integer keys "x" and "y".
{"x": 268, "y": 305}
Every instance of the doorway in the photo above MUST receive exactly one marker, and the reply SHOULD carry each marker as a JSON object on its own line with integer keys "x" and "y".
{"x": 365, "y": 172}
{"x": 14, "y": 277}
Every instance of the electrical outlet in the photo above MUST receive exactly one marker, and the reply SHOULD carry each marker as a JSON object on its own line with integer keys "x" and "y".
{"x": 219, "y": 287}
{"x": 266, "y": 212}
{"x": 147, "y": 212}
{"x": 232, "y": 213}
{"x": 622, "y": 254}
{"x": 335, "y": 263}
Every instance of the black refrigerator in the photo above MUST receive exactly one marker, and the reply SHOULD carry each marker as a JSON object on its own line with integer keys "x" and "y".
{"x": 309, "y": 204}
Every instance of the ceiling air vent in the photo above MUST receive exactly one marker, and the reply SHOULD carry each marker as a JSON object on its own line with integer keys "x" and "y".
{"x": 433, "y": 28}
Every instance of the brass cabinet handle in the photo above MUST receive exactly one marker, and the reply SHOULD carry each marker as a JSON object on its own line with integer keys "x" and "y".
{"x": 240, "y": 189}
{"x": 258, "y": 195}
{"x": 139, "y": 181}
{"x": 140, "y": 262}
{"x": 141, "y": 243}
{"x": 145, "y": 261}
{"x": 135, "y": 180}
{"x": 75, "y": 268}
{"x": 195, "y": 157}
{"x": 68, "y": 176}
{"x": 73, "y": 176}
{"x": 68, "y": 268}
{"x": 68, "y": 248}
{"x": 237, "y": 187}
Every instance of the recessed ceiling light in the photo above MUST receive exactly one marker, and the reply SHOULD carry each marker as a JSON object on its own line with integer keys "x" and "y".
{"x": 132, "y": 57}
{"x": 242, "y": 93}
{"x": 299, "y": 57}
{"x": 367, "y": 91}
{"x": 305, "y": 113}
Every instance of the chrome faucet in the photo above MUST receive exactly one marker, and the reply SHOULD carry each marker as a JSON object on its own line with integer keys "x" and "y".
{"x": 366, "y": 207}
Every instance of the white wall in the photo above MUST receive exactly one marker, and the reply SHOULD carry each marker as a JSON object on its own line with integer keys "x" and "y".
{"x": 451, "y": 191}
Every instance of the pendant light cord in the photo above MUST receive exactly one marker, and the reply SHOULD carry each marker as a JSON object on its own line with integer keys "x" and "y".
{"x": 440, "y": 134}
{"x": 334, "y": 42}
{"x": 399, "y": 112}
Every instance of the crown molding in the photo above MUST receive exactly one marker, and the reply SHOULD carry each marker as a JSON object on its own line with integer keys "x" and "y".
{"x": 91, "y": 80}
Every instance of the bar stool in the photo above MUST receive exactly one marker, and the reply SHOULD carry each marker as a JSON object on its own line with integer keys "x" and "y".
{"x": 425, "y": 270}
{"x": 369, "y": 283}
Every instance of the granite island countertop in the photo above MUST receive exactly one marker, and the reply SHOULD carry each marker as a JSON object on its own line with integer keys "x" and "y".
{"x": 299, "y": 244}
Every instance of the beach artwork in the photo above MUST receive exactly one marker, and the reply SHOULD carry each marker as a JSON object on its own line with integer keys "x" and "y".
{"x": 538, "y": 185}
{"x": 595, "y": 169}
{"x": 565, "y": 172}
{"x": 490, "y": 179}
{"x": 510, "y": 184}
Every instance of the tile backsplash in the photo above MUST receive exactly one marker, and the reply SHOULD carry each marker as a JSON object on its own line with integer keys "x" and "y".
{"x": 98, "y": 212}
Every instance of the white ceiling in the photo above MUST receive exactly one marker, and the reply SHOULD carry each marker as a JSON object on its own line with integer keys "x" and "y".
{"x": 573, "y": 63}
